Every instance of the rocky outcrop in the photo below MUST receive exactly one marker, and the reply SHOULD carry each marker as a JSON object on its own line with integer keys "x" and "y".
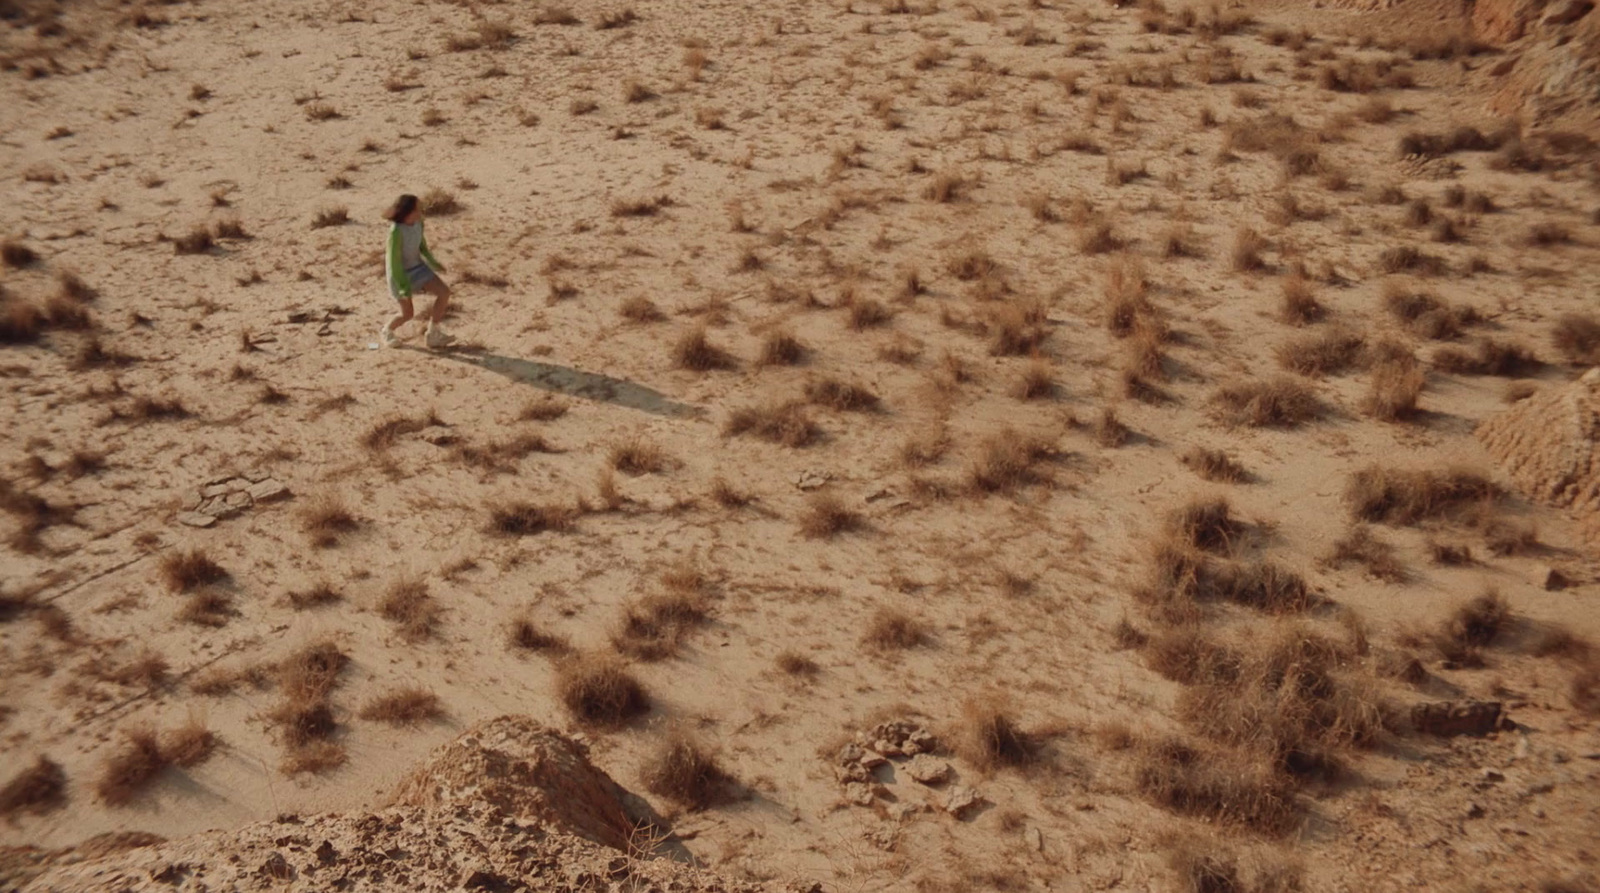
{"x": 1549, "y": 74}
{"x": 508, "y": 806}
{"x": 1549, "y": 445}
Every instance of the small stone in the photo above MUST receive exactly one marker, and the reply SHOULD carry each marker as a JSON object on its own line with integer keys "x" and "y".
{"x": 218, "y": 508}
{"x": 1539, "y": 787}
{"x": 1551, "y": 578}
{"x": 268, "y": 490}
{"x": 928, "y": 770}
{"x": 887, "y": 748}
{"x": 1493, "y": 776}
{"x": 871, "y": 759}
{"x": 811, "y": 480}
{"x": 1034, "y": 839}
{"x": 850, "y": 753}
{"x": 859, "y": 793}
{"x": 1474, "y": 811}
{"x": 901, "y": 811}
{"x": 923, "y": 739}
{"x": 961, "y": 799}
{"x": 257, "y": 476}
{"x": 212, "y": 491}
{"x": 439, "y": 437}
{"x": 192, "y": 502}
{"x": 853, "y": 772}
{"x": 237, "y": 499}
{"x": 1538, "y": 812}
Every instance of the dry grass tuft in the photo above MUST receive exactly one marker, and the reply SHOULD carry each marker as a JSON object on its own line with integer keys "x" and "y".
{"x": 207, "y": 607}
{"x": 131, "y": 768}
{"x": 1182, "y": 779}
{"x": 1361, "y": 546}
{"x": 334, "y": 216}
{"x": 1214, "y": 465}
{"x": 410, "y": 607}
{"x": 598, "y": 689}
{"x": 841, "y": 395}
{"x": 892, "y": 628}
{"x": 325, "y": 519}
{"x": 638, "y": 456}
{"x": 1037, "y": 381}
{"x": 1278, "y": 402}
{"x": 787, "y": 424}
{"x": 188, "y": 571}
{"x": 37, "y": 789}
{"x": 403, "y": 706}
{"x": 1245, "y": 254}
{"x": 1396, "y": 385}
{"x": 793, "y": 663}
{"x": 1300, "y": 305}
{"x": 684, "y": 770}
{"x": 826, "y": 515}
{"x": 1324, "y": 353}
{"x": 317, "y": 596}
{"x": 527, "y": 518}
{"x": 1394, "y": 496}
{"x": 990, "y": 739}
{"x": 1109, "y": 431}
{"x": 1492, "y": 357}
{"x": 1006, "y": 461}
{"x": 524, "y": 634}
{"x": 781, "y": 348}
{"x": 694, "y": 351}
{"x": 17, "y": 255}
{"x": 189, "y": 744}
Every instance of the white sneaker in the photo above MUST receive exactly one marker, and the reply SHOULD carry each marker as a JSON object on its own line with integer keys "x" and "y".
{"x": 438, "y": 338}
{"x": 387, "y": 337}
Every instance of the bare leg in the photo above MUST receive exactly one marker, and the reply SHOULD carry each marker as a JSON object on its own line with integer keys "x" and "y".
{"x": 441, "y": 300}
{"x": 402, "y": 317}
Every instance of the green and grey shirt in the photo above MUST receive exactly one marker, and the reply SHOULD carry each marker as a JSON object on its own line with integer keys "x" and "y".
{"x": 408, "y": 248}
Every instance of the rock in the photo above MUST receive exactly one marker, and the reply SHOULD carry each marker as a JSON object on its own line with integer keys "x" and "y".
{"x": 1551, "y": 578}
{"x": 850, "y": 753}
{"x": 196, "y": 519}
{"x": 811, "y": 479}
{"x": 276, "y": 867}
{"x": 887, "y": 747}
{"x": 1493, "y": 776}
{"x": 257, "y": 476}
{"x": 1033, "y": 838}
{"x": 439, "y": 437}
{"x": 1538, "y": 787}
{"x": 212, "y": 491}
{"x": 871, "y": 759}
{"x": 859, "y": 793}
{"x": 268, "y": 490}
{"x": 218, "y": 508}
{"x": 853, "y": 772}
{"x": 192, "y": 502}
{"x": 523, "y": 769}
{"x": 1449, "y": 718}
{"x": 902, "y": 810}
{"x": 238, "y": 499}
{"x": 961, "y": 799}
{"x": 1474, "y": 811}
{"x": 928, "y": 770}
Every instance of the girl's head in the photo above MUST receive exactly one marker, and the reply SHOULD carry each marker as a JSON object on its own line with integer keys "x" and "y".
{"x": 404, "y": 209}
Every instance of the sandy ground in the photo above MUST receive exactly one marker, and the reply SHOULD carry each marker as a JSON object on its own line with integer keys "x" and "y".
{"x": 813, "y": 193}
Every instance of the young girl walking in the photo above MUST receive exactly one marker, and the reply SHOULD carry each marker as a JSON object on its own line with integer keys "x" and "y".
{"x": 412, "y": 266}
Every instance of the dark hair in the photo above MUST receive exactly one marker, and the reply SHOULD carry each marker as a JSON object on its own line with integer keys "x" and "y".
{"x": 402, "y": 208}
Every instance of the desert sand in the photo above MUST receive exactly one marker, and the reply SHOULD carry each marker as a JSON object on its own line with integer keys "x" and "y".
{"x": 1046, "y": 375}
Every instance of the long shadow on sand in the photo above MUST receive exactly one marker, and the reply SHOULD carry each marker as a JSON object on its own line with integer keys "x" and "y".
{"x": 576, "y": 382}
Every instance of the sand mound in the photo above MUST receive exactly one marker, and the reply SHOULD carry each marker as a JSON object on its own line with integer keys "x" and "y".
{"x": 1548, "y": 445}
{"x": 509, "y": 805}
{"x": 523, "y": 769}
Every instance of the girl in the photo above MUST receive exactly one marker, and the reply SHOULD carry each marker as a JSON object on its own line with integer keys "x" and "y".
{"x": 404, "y": 260}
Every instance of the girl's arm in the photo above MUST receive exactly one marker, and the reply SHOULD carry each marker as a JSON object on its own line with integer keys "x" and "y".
{"x": 396, "y": 268}
{"x": 427, "y": 255}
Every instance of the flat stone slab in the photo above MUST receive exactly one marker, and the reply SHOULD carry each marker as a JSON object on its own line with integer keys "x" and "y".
{"x": 268, "y": 490}
{"x": 928, "y": 770}
{"x": 196, "y": 519}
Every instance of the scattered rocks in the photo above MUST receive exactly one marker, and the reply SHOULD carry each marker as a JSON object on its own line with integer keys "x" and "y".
{"x": 961, "y": 800}
{"x": 928, "y": 770}
{"x": 1450, "y": 718}
{"x": 811, "y": 479}
{"x": 902, "y": 737}
{"x": 226, "y": 497}
{"x": 860, "y": 793}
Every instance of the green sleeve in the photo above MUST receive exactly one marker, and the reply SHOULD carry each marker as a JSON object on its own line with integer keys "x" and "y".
{"x": 427, "y": 255}
{"x": 398, "y": 280}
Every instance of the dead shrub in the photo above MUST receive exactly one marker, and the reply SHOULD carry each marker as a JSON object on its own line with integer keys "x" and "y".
{"x": 326, "y": 519}
{"x": 1361, "y": 546}
{"x": 310, "y": 673}
{"x": 1109, "y": 431}
{"x": 638, "y": 456}
{"x": 989, "y": 738}
{"x": 1214, "y": 465}
{"x": 1503, "y": 538}
{"x": 207, "y": 608}
{"x": 1245, "y": 254}
{"x": 1395, "y": 387}
{"x": 598, "y": 689}
{"x": 1207, "y": 524}
{"x": 334, "y": 216}
{"x": 1492, "y": 357}
{"x": 131, "y": 767}
{"x": 402, "y": 707}
{"x": 36, "y": 790}
{"x": 1186, "y": 781}
{"x": 1190, "y": 656}
{"x": 524, "y": 634}
{"x": 17, "y": 255}
{"x": 841, "y": 395}
{"x": 787, "y": 424}
{"x": 1325, "y": 353}
{"x": 197, "y": 241}
{"x": 655, "y": 627}
{"x": 793, "y": 663}
{"x": 189, "y": 744}
{"x": 781, "y": 348}
{"x": 1278, "y": 402}
{"x": 826, "y": 515}
{"x": 894, "y": 629}
{"x": 1547, "y": 234}
{"x": 866, "y": 313}
{"x": 1007, "y": 461}
{"x": 317, "y": 596}
{"x": 1408, "y": 497}
{"x": 694, "y": 351}
{"x": 21, "y": 322}
{"x": 527, "y": 519}
{"x": 1406, "y": 258}
{"x": 1472, "y": 626}
{"x": 1577, "y": 337}
{"x": 1016, "y": 329}
{"x": 685, "y": 771}
{"x": 1036, "y": 382}
{"x": 412, "y": 610}
{"x": 1300, "y": 305}
{"x": 188, "y": 571}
